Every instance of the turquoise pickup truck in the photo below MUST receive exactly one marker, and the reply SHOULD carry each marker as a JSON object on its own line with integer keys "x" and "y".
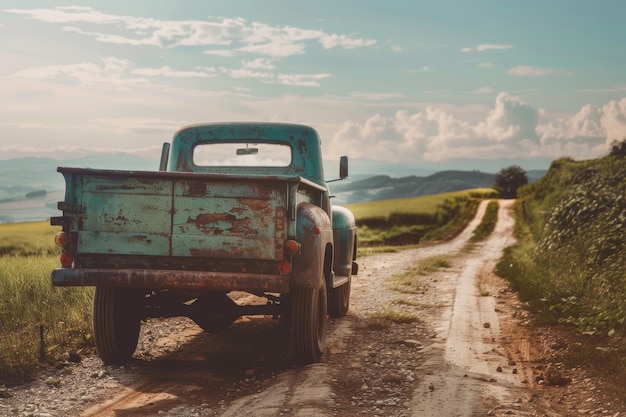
{"x": 233, "y": 207}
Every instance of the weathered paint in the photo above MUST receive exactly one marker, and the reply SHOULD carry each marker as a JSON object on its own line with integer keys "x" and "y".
{"x": 314, "y": 232}
{"x": 344, "y": 240}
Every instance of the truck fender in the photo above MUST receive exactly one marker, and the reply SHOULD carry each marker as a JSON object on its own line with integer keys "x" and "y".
{"x": 344, "y": 238}
{"x": 314, "y": 233}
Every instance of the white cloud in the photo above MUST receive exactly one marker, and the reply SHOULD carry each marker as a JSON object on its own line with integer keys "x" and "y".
{"x": 167, "y": 71}
{"x": 248, "y": 73}
{"x": 530, "y": 71}
{"x": 486, "y": 47}
{"x": 331, "y": 41}
{"x": 112, "y": 71}
{"x": 238, "y": 34}
{"x": 259, "y": 63}
{"x": 614, "y": 120}
{"x": 302, "y": 80}
{"x": 510, "y": 129}
{"x": 377, "y": 96}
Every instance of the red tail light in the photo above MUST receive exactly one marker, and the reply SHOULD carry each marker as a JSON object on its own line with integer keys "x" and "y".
{"x": 66, "y": 260}
{"x": 284, "y": 268}
{"x": 292, "y": 247}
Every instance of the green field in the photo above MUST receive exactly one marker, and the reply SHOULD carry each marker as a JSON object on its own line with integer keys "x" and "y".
{"x": 29, "y": 305}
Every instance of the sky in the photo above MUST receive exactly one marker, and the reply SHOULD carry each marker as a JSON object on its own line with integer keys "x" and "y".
{"x": 395, "y": 83}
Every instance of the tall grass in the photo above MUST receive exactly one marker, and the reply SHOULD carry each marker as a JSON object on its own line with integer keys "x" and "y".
{"x": 570, "y": 259}
{"x": 29, "y": 304}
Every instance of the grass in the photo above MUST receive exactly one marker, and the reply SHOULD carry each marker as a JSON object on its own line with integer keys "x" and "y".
{"x": 29, "y": 303}
{"x": 384, "y": 225}
{"x": 381, "y": 320}
{"x": 409, "y": 281}
{"x": 27, "y": 239}
{"x": 487, "y": 224}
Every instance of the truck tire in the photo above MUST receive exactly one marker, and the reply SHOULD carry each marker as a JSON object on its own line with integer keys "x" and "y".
{"x": 308, "y": 323}
{"x": 116, "y": 323}
{"x": 339, "y": 300}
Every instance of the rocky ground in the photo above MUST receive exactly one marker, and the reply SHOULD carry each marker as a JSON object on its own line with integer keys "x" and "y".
{"x": 468, "y": 349}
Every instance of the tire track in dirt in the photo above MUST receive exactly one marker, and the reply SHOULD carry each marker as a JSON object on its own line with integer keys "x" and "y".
{"x": 468, "y": 371}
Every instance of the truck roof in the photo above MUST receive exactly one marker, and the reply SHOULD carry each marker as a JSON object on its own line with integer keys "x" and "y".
{"x": 305, "y": 144}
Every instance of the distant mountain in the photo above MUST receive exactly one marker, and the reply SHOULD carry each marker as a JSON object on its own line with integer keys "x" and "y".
{"x": 384, "y": 187}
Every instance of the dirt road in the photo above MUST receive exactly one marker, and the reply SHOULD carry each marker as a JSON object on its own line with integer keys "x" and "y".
{"x": 462, "y": 354}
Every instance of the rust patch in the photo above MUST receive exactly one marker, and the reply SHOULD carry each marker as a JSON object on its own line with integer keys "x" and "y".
{"x": 205, "y": 219}
{"x": 195, "y": 189}
{"x": 254, "y": 203}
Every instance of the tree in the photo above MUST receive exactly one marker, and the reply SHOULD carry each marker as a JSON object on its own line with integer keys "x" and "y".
{"x": 508, "y": 180}
{"x": 618, "y": 149}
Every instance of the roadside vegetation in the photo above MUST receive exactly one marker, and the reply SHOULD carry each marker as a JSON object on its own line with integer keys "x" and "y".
{"x": 487, "y": 224}
{"x": 569, "y": 262}
{"x": 385, "y": 225}
{"x": 37, "y": 321}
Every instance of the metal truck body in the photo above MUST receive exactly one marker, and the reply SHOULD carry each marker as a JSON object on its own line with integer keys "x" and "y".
{"x": 234, "y": 207}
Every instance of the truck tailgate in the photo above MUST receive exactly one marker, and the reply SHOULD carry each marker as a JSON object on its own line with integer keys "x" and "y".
{"x": 176, "y": 214}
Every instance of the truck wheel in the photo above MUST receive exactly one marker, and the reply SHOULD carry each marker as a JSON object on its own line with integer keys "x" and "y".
{"x": 308, "y": 323}
{"x": 116, "y": 323}
{"x": 339, "y": 300}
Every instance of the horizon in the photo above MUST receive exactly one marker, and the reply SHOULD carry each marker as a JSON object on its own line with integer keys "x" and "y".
{"x": 402, "y": 85}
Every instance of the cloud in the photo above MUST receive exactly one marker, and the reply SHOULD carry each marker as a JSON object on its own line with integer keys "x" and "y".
{"x": 301, "y": 80}
{"x": 259, "y": 63}
{"x": 237, "y": 34}
{"x": 167, "y": 71}
{"x": 486, "y": 47}
{"x": 529, "y": 71}
{"x": 377, "y": 96}
{"x": 112, "y": 70}
{"x": 510, "y": 129}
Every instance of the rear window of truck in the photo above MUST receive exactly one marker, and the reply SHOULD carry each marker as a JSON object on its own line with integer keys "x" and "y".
{"x": 242, "y": 154}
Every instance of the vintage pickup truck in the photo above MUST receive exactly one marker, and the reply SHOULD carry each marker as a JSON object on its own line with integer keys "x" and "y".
{"x": 234, "y": 207}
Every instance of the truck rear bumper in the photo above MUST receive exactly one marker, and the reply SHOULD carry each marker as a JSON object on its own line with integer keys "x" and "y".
{"x": 169, "y": 279}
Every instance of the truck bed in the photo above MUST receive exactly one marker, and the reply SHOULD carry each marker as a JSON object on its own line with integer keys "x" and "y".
{"x": 176, "y": 215}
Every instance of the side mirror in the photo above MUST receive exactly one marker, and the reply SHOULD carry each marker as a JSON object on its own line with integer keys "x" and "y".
{"x": 343, "y": 167}
{"x": 165, "y": 155}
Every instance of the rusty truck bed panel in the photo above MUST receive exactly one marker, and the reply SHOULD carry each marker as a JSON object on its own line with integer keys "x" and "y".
{"x": 162, "y": 279}
{"x": 160, "y": 214}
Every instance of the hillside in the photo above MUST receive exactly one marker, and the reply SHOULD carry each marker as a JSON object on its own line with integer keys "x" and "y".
{"x": 570, "y": 262}
{"x": 383, "y": 187}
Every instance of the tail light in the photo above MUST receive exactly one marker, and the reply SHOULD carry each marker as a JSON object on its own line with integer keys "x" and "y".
{"x": 284, "y": 267}
{"x": 61, "y": 239}
{"x": 66, "y": 260}
{"x": 292, "y": 247}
